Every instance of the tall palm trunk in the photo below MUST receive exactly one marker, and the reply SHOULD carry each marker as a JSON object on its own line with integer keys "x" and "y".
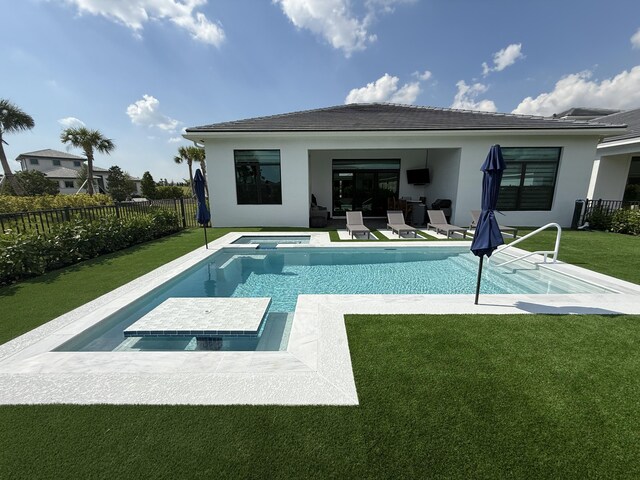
{"x": 189, "y": 164}
{"x": 89, "y": 172}
{"x": 9, "y": 177}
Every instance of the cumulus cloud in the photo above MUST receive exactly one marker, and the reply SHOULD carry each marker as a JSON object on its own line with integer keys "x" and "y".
{"x": 335, "y": 21}
{"x": 385, "y": 89}
{"x": 146, "y": 112}
{"x": 465, "y": 99}
{"x": 578, "y": 89}
{"x": 635, "y": 39}
{"x": 135, "y": 13}
{"x": 503, "y": 58}
{"x": 71, "y": 122}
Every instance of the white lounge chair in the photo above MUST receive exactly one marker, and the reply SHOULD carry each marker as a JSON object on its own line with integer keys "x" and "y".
{"x": 438, "y": 222}
{"x": 355, "y": 224}
{"x": 397, "y": 224}
{"x": 475, "y": 216}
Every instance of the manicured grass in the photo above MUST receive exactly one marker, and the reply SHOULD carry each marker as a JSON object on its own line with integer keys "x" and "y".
{"x": 609, "y": 253}
{"x": 528, "y": 396}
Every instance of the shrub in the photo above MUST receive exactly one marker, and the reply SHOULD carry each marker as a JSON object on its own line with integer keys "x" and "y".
{"x": 169, "y": 191}
{"x": 30, "y": 254}
{"x": 12, "y": 204}
{"x": 626, "y": 221}
{"x": 599, "y": 219}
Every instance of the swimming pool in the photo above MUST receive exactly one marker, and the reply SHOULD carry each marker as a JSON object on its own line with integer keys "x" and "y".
{"x": 284, "y": 273}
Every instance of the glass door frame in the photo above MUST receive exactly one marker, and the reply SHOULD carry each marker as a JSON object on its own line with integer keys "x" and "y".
{"x": 376, "y": 180}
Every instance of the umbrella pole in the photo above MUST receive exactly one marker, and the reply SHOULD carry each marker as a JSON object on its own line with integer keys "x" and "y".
{"x": 478, "y": 283}
{"x": 206, "y": 243}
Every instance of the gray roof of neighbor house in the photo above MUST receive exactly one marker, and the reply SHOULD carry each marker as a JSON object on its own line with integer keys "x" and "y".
{"x": 64, "y": 172}
{"x": 630, "y": 117}
{"x": 49, "y": 153}
{"x": 585, "y": 112}
{"x": 390, "y": 117}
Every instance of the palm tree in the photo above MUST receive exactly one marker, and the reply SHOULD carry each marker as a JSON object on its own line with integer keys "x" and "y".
{"x": 88, "y": 140}
{"x": 12, "y": 119}
{"x": 189, "y": 155}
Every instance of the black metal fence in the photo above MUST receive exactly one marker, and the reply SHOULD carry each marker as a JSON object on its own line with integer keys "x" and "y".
{"x": 44, "y": 220}
{"x": 605, "y": 207}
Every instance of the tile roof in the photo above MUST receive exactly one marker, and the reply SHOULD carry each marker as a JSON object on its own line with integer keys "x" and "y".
{"x": 50, "y": 153}
{"x": 391, "y": 117}
{"x": 65, "y": 172}
{"x": 631, "y": 118}
{"x": 585, "y": 112}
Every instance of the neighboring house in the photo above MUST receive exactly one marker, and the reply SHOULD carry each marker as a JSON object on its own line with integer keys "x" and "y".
{"x": 617, "y": 163}
{"x": 63, "y": 168}
{"x": 263, "y": 171}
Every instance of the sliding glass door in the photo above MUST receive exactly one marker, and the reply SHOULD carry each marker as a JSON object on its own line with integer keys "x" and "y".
{"x": 364, "y": 185}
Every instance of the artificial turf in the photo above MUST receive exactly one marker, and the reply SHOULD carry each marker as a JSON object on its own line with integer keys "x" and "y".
{"x": 469, "y": 396}
{"x": 605, "y": 252}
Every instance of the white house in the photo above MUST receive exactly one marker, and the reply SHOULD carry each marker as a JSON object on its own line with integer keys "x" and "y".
{"x": 63, "y": 168}
{"x": 263, "y": 171}
{"x": 617, "y": 162}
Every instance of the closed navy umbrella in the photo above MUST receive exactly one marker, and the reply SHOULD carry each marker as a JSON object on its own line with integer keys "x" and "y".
{"x": 202, "y": 215}
{"x": 487, "y": 236}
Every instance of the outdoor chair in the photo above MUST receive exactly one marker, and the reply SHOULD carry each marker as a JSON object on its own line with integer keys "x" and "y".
{"x": 355, "y": 224}
{"x": 439, "y": 223}
{"x": 475, "y": 216}
{"x": 398, "y": 225}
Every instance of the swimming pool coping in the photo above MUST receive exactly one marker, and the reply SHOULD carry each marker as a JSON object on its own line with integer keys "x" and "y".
{"x": 315, "y": 368}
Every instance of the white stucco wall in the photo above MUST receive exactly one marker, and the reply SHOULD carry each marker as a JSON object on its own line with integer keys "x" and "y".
{"x": 225, "y": 210}
{"x": 456, "y": 172}
{"x": 609, "y": 177}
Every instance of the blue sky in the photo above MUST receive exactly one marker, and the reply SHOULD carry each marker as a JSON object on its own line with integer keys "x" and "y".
{"x": 142, "y": 70}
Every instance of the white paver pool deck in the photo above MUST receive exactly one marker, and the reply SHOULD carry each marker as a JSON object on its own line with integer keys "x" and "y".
{"x": 315, "y": 368}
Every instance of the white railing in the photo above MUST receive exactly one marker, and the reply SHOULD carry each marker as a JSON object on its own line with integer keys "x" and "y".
{"x": 539, "y": 252}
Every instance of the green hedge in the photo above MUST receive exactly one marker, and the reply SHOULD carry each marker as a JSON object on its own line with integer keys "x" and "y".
{"x": 31, "y": 254}
{"x": 621, "y": 221}
{"x": 12, "y": 203}
{"x": 626, "y": 221}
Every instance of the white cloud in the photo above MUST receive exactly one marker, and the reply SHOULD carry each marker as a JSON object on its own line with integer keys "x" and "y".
{"x": 335, "y": 21}
{"x": 145, "y": 112}
{"x": 385, "y": 89}
{"x": 175, "y": 139}
{"x": 465, "y": 99}
{"x": 578, "y": 89}
{"x": 635, "y": 39}
{"x": 424, "y": 76}
{"x": 503, "y": 58}
{"x": 71, "y": 122}
{"x": 135, "y": 13}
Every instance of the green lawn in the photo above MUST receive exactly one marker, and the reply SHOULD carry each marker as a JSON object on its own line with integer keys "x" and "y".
{"x": 440, "y": 396}
{"x": 609, "y": 253}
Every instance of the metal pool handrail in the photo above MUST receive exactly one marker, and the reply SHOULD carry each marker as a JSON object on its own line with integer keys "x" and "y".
{"x": 543, "y": 252}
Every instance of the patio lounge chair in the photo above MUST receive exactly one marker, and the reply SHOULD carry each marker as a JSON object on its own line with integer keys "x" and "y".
{"x": 397, "y": 225}
{"x": 475, "y": 215}
{"x": 355, "y": 224}
{"x": 439, "y": 223}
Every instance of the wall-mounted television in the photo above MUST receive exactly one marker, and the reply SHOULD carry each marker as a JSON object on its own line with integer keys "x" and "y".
{"x": 419, "y": 176}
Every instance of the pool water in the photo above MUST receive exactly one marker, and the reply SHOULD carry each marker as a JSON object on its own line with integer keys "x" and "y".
{"x": 271, "y": 241}
{"x": 283, "y": 274}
